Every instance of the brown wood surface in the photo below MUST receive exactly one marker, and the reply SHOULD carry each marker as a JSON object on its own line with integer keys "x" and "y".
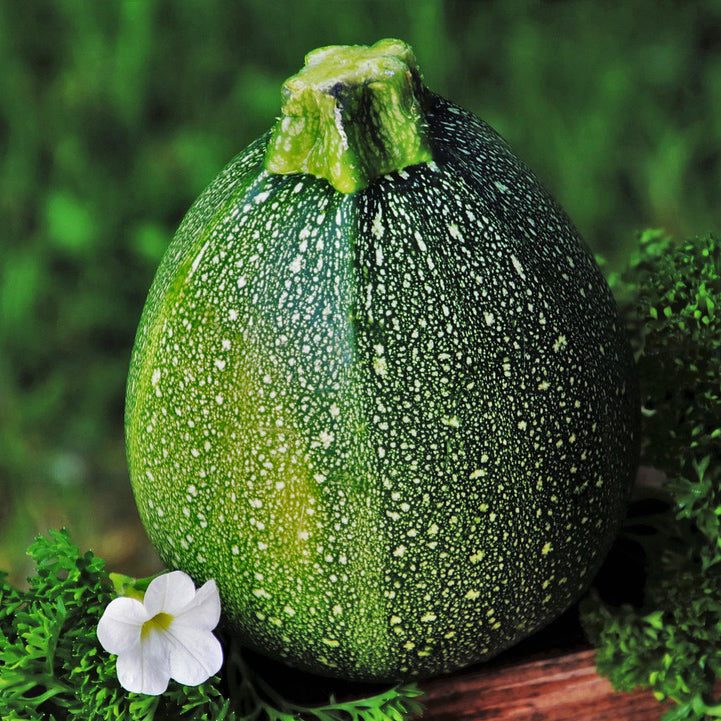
{"x": 563, "y": 687}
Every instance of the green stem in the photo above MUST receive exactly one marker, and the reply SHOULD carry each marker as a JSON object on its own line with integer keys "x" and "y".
{"x": 352, "y": 114}
{"x": 54, "y": 689}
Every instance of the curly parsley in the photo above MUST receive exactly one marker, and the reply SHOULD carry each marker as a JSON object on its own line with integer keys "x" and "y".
{"x": 671, "y": 294}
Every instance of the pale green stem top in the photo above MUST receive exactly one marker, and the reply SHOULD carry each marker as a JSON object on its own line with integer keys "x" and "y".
{"x": 352, "y": 114}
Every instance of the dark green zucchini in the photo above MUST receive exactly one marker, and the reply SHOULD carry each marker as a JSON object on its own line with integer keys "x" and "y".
{"x": 380, "y": 389}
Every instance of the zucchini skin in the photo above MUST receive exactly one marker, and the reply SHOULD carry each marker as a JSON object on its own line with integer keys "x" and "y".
{"x": 400, "y": 426}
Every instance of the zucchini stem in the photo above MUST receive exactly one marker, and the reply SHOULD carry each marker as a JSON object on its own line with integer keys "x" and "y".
{"x": 352, "y": 114}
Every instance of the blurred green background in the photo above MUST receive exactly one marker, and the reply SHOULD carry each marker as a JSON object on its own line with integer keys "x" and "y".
{"x": 115, "y": 115}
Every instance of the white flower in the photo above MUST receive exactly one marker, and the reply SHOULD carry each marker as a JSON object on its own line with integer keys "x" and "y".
{"x": 166, "y": 635}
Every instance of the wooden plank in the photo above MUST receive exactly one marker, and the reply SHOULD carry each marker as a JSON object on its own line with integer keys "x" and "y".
{"x": 563, "y": 687}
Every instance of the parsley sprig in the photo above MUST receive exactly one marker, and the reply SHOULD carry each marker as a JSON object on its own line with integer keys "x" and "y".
{"x": 671, "y": 643}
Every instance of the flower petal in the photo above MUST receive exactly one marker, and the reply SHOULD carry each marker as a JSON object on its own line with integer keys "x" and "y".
{"x": 196, "y": 656}
{"x": 169, "y": 593}
{"x": 121, "y": 623}
{"x": 203, "y": 611}
{"x": 145, "y": 667}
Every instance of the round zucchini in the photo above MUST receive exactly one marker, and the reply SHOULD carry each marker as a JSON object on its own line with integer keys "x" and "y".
{"x": 380, "y": 389}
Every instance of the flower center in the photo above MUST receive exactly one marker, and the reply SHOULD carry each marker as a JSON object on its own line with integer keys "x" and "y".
{"x": 159, "y": 622}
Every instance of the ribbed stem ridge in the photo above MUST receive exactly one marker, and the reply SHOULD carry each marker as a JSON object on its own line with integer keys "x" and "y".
{"x": 352, "y": 114}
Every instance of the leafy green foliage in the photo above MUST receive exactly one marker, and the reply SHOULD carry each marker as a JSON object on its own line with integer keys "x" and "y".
{"x": 672, "y": 297}
{"x": 51, "y": 664}
{"x": 52, "y": 667}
